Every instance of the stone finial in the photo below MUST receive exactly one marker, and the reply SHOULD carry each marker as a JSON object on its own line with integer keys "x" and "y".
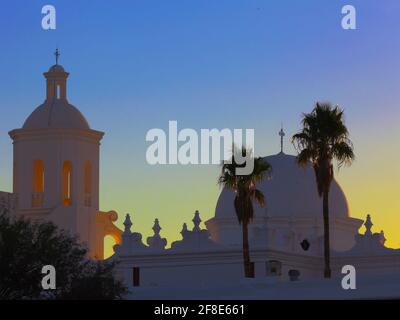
{"x": 196, "y": 221}
{"x": 127, "y": 224}
{"x": 368, "y": 225}
{"x": 155, "y": 241}
{"x": 382, "y": 238}
{"x": 156, "y": 227}
{"x": 184, "y": 230}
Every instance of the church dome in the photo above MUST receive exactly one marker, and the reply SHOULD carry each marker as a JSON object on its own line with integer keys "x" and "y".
{"x": 290, "y": 192}
{"x": 56, "y": 114}
{"x": 56, "y": 68}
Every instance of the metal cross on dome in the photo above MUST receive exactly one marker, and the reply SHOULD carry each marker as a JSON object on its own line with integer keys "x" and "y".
{"x": 282, "y": 134}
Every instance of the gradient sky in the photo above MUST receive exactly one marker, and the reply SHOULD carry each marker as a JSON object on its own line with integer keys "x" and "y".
{"x": 135, "y": 65}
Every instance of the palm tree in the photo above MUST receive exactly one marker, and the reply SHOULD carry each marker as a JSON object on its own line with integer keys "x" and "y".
{"x": 245, "y": 188}
{"x": 323, "y": 139}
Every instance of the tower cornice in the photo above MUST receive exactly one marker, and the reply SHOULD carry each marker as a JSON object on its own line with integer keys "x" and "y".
{"x": 33, "y": 134}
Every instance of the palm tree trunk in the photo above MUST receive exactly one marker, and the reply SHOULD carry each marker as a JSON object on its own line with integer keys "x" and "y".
{"x": 246, "y": 251}
{"x": 327, "y": 256}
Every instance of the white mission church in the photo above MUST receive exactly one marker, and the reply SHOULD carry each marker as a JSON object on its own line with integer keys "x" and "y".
{"x": 56, "y": 178}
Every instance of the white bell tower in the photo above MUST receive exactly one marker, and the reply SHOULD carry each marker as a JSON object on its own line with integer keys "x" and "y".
{"x": 56, "y": 164}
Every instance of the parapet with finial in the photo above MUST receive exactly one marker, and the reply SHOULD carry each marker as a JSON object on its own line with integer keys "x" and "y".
{"x": 369, "y": 243}
{"x": 155, "y": 241}
{"x": 195, "y": 240}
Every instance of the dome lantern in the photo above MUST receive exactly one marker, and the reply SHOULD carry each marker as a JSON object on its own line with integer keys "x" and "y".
{"x": 56, "y": 111}
{"x": 56, "y": 81}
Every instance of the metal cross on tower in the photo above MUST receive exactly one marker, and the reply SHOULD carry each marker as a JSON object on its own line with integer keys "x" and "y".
{"x": 57, "y": 54}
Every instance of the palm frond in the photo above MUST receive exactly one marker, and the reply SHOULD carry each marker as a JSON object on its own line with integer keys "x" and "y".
{"x": 258, "y": 196}
{"x": 244, "y": 185}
